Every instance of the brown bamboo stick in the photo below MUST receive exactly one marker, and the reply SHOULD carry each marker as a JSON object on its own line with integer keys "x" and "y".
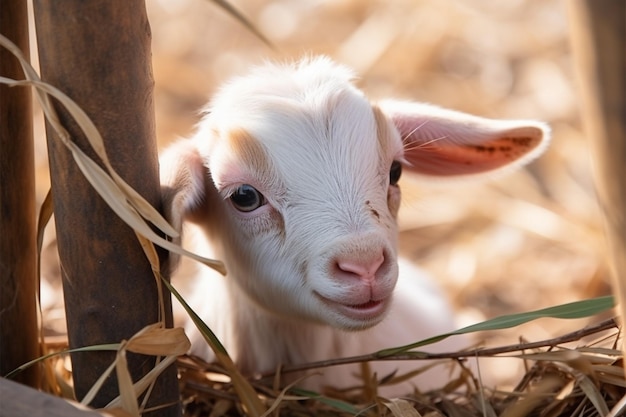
{"x": 18, "y": 279}
{"x": 99, "y": 54}
{"x": 598, "y": 29}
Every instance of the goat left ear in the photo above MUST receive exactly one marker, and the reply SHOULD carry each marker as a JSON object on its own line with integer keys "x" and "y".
{"x": 440, "y": 142}
{"x": 183, "y": 182}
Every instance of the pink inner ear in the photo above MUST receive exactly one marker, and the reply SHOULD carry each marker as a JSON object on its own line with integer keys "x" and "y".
{"x": 443, "y": 158}
{"x": 446, "y": 143}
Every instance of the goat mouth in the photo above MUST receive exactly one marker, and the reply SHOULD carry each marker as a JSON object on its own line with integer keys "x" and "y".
{"x": 369, "y": 311}
{"x": 366, "y": 306}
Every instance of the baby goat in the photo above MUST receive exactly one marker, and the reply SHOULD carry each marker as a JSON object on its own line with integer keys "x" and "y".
{"x": 293, "y": 178}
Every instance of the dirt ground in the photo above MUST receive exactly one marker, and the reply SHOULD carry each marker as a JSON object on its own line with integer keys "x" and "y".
{"x": 523, "y": 241}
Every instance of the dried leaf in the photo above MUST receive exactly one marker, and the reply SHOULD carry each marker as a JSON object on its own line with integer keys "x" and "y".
{"x": 401, "y": 408}
{"x": 112, "y": 188}
{"x": 125, "y": 384}
{"x": 91, "y": 394}
{"x": 144, "y": 383}
{"x": 545, "y": 389}
{"x": 158, "y": 341}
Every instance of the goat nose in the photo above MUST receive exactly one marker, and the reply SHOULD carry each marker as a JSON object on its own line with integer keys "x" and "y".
{"x": 362, "y": 268}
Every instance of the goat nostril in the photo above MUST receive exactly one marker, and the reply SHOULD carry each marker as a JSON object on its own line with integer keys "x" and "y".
{"x": 365, "y": 269}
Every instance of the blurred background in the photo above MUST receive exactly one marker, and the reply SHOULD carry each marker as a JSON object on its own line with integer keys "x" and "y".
{"x": 527, "y": 240}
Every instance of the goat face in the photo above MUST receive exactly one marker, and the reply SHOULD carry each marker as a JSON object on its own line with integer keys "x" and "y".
{"x": 293, "y": 175}
{"x": 307, "y": 183}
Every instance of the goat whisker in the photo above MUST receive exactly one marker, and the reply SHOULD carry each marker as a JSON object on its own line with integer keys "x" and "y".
{"x": 411, "y": 146}
{"x": 415, "y": 129}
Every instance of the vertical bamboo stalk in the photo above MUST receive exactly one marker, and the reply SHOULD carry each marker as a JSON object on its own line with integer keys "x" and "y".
{"x": 599, "y": 43}
{"x": 18, "y": 280}
{"x": 99, "y": 54}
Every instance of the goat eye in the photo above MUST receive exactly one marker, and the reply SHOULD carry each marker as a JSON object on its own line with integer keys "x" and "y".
{"x": 246, "y": 198}
{"x": 395, "y": 172}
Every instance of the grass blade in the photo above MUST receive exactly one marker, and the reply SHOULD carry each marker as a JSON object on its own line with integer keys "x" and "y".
{"x": 238, "y": 15}
{"x": 575, "y": 310}
{"x": 245, "y": 391}
{"x": 337, "y": 404}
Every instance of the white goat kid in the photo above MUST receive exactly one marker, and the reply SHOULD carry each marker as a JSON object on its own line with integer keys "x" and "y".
{"x": 293, "y": 178}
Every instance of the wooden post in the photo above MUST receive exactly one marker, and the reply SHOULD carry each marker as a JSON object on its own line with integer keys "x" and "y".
{"x": 599, "y": 45}
{"x": 18, "y": 280}
{"x": 98, "y": 53}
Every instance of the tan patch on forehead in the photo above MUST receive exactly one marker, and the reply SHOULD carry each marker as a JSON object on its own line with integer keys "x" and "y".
{"x": 249, "y": 151}
{"x": 383, "y": 131}
{"x": 254, "y": 157}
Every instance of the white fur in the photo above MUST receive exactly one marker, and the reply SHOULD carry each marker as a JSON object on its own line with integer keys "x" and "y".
{"x": 312, "y": 273}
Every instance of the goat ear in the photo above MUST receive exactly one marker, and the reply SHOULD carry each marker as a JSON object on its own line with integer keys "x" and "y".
{"x": 183, "y": 182}
{"x": 440, "y": 142}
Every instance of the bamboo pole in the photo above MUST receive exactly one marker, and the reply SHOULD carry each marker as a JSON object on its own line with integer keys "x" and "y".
{"x": 598, "y": 29}
{"x": 18, "y": 277}
{"x": 99, "y": 54}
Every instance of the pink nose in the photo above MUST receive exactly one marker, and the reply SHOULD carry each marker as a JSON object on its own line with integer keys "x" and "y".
{"x": 364, "y": 269}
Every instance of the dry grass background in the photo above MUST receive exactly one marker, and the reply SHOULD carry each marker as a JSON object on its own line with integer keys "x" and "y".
{"x": 524, "y": 241}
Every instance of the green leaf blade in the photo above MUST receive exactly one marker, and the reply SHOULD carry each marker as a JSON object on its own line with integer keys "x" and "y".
{"x": 574, "y": 310}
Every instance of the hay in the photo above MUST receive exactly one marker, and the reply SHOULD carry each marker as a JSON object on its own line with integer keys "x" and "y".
{"x": 575, "y": 374}
{"x": 587, "y": 380}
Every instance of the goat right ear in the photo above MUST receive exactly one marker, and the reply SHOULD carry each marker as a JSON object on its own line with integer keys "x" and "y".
{"x": 446, "y": 143}
{"x": 183, "y": 182}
